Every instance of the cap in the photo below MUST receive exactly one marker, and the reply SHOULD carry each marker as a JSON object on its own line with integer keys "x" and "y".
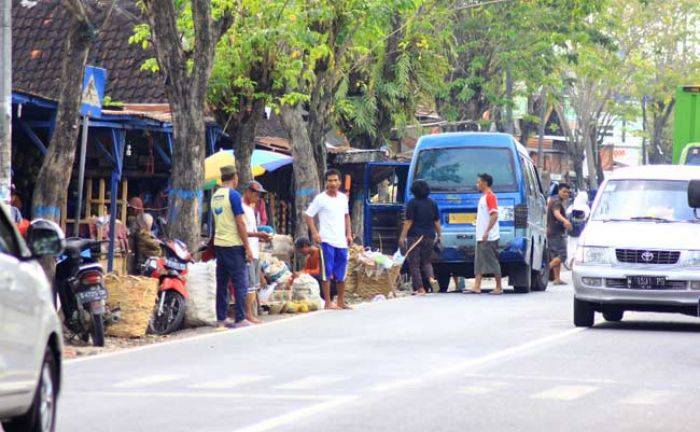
{"x": 228, "y": 170}
{"x": 255, "y": 186}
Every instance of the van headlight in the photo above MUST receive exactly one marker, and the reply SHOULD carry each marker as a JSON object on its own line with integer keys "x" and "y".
{"x": 692, "y": 258}
{"x": 593, "y": 255}
{"x": 506, "y": 213}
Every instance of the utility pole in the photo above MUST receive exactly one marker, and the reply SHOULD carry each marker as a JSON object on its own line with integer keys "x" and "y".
{"x": 5, "y": 100}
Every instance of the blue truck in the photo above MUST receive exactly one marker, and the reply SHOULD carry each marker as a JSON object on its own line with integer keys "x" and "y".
{"x": 450, "y": 163}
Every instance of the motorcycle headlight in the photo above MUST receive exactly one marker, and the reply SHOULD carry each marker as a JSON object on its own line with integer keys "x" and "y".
{"x": 692, "y": 258}
{"x": 593, "y": 255}
{"x": 506, "y": 213}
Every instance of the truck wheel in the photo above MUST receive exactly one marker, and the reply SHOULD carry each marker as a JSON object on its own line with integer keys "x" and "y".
{"x": 584, "y": 315}
{"x": 540, "y": 279}
{"x": 443, "y": 276}
{"x": 41, "y": 416}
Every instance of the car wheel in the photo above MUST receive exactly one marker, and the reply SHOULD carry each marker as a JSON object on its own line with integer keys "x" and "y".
{"x": 613, "y": 315}
{"x": 41, "y": 416}
{"x": 584, "y": 314}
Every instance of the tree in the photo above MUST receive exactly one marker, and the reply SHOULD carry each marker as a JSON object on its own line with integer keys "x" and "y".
{"x": 184, "y": 35}
{"x": 85, "y": 20}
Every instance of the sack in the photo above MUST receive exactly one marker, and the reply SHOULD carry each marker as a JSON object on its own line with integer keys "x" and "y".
{"x": 281, "y": 247}
{"x": 274, "y": 269}
{"x": 135, "y": 297}
{"x": 201, "y": 284}
{"x": 305, "y": 287}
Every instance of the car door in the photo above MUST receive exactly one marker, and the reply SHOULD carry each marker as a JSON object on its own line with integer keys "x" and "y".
{"x": 540, "y": 204}
{"x": 20, "y": 316}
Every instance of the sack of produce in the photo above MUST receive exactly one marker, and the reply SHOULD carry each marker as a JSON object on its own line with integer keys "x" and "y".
{"x": 275, "y": 270}
{"x": 201, "y": 284}
{"x": 281, "y": 247}
{"x": 305, "y": 287}
{"x": 135, "y": 297}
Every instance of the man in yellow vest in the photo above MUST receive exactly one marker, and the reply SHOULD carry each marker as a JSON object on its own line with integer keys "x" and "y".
{"x": 232, "y": 249}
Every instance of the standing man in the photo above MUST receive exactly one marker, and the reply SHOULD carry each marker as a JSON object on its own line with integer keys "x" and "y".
{"x": 251, "y": 197}
{"x": 232, "y": 248}
{"x": 557, "y": 225}
{"x": 334, "y": 236}
{"x": 487, "y": 236}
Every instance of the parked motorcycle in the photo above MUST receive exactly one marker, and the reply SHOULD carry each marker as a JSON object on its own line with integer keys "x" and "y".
{"x": 171, "y": 271}
{"x": 79, "y": 283}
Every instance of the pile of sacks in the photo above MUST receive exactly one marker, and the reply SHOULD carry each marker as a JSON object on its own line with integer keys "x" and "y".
{"x": 291, "y": 295}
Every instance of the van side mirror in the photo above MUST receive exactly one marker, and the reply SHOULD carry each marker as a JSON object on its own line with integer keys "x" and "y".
{"x": 45, "y": 238}
{"x": 694, "y": 194}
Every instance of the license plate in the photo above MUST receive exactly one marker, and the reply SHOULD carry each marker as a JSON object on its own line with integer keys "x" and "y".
{"x": 462, "y": 218}
{"x": 175, "y": 265}
{"x": 646, "y": 282}
{"x": 93, "y": 294}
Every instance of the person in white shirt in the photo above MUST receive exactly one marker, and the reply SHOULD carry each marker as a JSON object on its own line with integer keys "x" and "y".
{"x": 334, "y": 235}
{"x": 487, "y": 236}
{"x": 251, "y": 197}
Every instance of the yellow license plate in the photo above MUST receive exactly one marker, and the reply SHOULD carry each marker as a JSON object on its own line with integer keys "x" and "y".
{"x": 462, "y": 218}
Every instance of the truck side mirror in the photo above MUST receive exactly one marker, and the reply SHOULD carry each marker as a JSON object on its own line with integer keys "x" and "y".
{"x": 694, "y": 194}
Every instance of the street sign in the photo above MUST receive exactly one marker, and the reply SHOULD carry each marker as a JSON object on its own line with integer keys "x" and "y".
{"x": 94, "y": 80}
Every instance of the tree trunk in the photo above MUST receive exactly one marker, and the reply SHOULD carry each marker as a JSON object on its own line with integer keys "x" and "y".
{"x": 306, "y": 176}
{"x": 187, "y": 174}
{"x": 591, "y": 161}
{"x": 244, "y": 140}
{"x": 52, "y": 183}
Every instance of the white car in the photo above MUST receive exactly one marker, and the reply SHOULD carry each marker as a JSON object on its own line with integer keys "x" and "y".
{"x": 30, "y": 330}
{"x": 640, "y": 250}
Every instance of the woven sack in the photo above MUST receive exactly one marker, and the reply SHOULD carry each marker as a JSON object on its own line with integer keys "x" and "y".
{"x": 136, "y": 297}
{"x": 372, "y": 281}
{"x": 201, "y": 285}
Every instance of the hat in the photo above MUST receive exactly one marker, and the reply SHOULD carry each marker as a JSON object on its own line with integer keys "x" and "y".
{"x": 228, "y": 170}
{"x": 255, "y": 186}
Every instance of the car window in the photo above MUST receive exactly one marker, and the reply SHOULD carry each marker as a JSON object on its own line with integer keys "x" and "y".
{"x": 8, "y": 241}
{"x": 526, "y": 176}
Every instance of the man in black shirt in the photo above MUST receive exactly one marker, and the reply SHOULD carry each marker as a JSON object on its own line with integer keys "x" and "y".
{"x": 557, "y": 225}
{"x": 422, "y": 229}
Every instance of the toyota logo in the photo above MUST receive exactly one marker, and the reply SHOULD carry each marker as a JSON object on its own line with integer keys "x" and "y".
{"x": 647, "y": 256}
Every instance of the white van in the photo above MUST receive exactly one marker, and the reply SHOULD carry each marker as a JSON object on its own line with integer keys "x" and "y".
{"x": 641, "y": 248}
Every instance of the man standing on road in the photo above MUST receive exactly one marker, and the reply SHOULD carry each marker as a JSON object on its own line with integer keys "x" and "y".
{"x": 334, "y": 236}
{"x": 557, "y": 225}
{"x": 232, "y": 248}
{"x": 251, "y": 198}
{"x": 487, "y": 236}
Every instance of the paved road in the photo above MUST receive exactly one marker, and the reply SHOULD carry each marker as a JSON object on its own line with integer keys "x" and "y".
{"x": 445, "y": 363}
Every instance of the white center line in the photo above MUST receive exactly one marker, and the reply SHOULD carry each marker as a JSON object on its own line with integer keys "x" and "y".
{"x": 148, "y": 380}
{"x": 565, "y": 392}
{"x": 311, "y": 382}
{"x": 648, "y": 397}
{"x": 231, "y": 382}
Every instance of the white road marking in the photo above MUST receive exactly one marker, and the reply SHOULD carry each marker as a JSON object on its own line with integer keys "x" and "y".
{"x": 295, "y": 416}
{"x": 148, "y": 380}
{"x": 648, "y": 397}
{"x": 482, "y": 388}
{"x": 198, "y": 394}
{"x": 565, "y": 392}
{"x": 542, "y": 378}
{"x": 311, "y": 382}
{"x": 231, "y": 382}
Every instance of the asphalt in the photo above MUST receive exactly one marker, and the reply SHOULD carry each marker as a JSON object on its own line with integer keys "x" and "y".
{"x": 449, "y": 362}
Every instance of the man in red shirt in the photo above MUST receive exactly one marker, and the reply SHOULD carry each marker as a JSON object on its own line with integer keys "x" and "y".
{"x": 486, "y": 261}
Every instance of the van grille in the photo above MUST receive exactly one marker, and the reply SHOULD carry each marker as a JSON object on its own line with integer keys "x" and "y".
{"x": 640, "y": 256}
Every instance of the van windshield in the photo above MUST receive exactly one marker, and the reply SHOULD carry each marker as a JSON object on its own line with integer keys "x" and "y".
{"x": 644, "y": 200}
{"x": 455, "y": 170}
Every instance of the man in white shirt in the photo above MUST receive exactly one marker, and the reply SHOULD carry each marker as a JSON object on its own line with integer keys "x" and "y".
{"x": 251, "y": 196}
{"x": 334, "y": 235}
{"x": 487, "y": 235}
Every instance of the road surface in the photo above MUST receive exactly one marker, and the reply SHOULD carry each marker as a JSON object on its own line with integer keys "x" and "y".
{"x": 448, "y": 362}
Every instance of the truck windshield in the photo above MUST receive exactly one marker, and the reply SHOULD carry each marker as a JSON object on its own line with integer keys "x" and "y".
{"x": 455, "y": 170}
{"x": 644, "y": 200}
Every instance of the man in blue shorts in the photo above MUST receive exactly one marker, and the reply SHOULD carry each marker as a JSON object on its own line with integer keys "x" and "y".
{"x": 334, "y": 235}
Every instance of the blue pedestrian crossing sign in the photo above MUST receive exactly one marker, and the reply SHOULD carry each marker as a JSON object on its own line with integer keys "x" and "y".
{"x": 94, "y": 80}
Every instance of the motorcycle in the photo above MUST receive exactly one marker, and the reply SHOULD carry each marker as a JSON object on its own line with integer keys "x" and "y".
{"x": 79, "y": 283}
{"x": 171, "y": 272}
